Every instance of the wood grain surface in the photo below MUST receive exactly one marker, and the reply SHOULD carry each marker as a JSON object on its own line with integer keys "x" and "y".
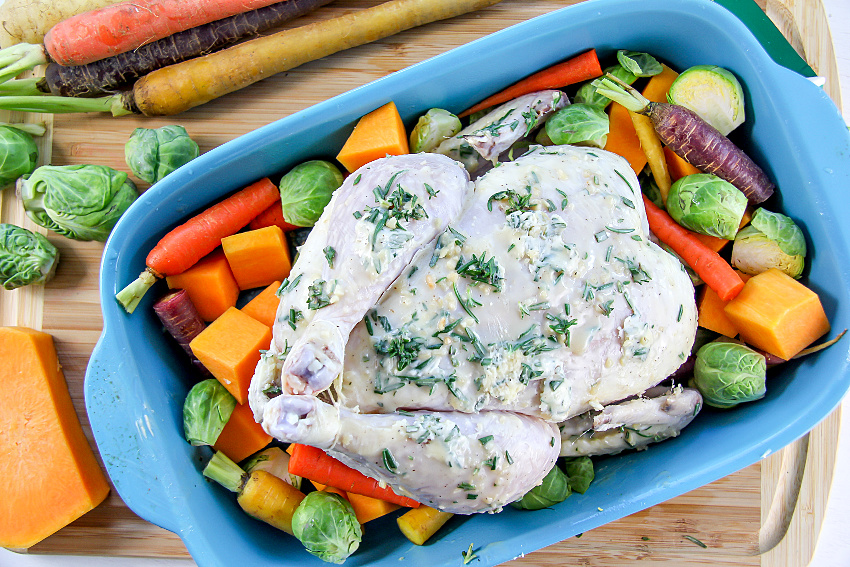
{"x": 742, "y": 519}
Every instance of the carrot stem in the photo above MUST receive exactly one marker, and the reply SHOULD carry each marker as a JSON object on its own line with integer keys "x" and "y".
{"x": 708, "y": 264}
{"x": 580, "y": 68}
{"x": 18, "y": 58}
{"x": 61, "y": 104}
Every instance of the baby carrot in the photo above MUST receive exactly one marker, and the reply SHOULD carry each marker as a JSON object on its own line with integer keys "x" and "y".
{"x": 580, "y": 68}
{"x": 178, "y": 250}
{"x": 708, "y": 264}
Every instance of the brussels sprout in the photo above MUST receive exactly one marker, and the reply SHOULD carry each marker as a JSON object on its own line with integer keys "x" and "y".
{"x": 707, "y": 204}
{"x": 771, "y": 240}
{"x": 727, "y": 374}
{"x": 713, "y": 93}
{"x": 18, "y": 154}
{"x": 325, "y": 523}
{"x": 578, "y": 124}
{"x": 554, "y": 488}
{"x": 78, "y": 201}
{"x": 432, "y": 128}
{"x": 151, "y": 154}
{"x": 579, "y": 470}
{"x": 306, "y": 189}
{"x": 639, "y": 64}
{"x": 587, "y": 94}
{"x": 205, "y": 412}
{"x": 26, "y": 257}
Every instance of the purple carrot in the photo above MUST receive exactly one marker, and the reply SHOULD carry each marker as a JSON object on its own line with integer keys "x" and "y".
{"x": 182, "y": 321}
{"x": 694, "y": 140}
{"x": 115, "y": 73}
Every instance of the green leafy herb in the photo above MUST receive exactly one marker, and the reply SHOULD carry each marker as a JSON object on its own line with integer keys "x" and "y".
{"x": 330, "y": 254}
{"x": 317, "y": 297}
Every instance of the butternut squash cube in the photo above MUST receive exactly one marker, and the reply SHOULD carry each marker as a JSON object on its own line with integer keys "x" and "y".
{"x": 230, "y": 348}
{"x": 710, "y": 311}
{"x": 257, "y": 257}
{"x": 376, "y": 135}
{"x": 210, "y": 285}
{"x": 264, "y": 306}
{"x": 367, "y": 508}
{"x": 51, "y": 476}
{"x": 241, "y": 436}
{"x": 778, "y": 314}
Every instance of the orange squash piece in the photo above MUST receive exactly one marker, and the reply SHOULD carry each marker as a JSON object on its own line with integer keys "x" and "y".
{"x": 622, "y": 138}
{"x": 242, "y": 436}
{"x": 677, "y": 166}
{"x": 658, "y": 85}
{"x": 376, "y": 135}
{"x": 367, "y": 508}
{"x": 210, "y": 285}
{"x": 264, "y": 306}
{"x": 778, "y": 314}
{"x": 51, "y": 476}
{"x": 710, "y": 311}
{"x": 257, "y": 257}
{"x": 230, "y": 348}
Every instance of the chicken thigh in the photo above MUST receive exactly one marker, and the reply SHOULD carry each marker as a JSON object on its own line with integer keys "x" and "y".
{"x": 535, "y": 298}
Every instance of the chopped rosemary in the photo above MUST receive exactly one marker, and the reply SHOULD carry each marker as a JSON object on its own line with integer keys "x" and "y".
{"x": 480, "y": 270}
{"x": 486, "y": 439}
{"x": 287, "y": 285}
{"x": 317, "y": 297}
{"x": 695, "y": 540}
{"x": 330, "y": 254}
{"x": 389, "y": 461}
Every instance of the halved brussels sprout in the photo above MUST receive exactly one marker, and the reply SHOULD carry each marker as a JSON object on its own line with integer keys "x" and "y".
{"x": 704, "y": 203}
{"x": 432, "y": 128}
{"x": 713, "y": 93}
{"x": 306, "y": 190}
{"x": 728, "y": 373}
{"x": 580, "y": 125}
{"x": 771, "y": 240}
{"x": 327, "y": 526}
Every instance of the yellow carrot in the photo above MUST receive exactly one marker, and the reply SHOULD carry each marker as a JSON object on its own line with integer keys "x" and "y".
{"x": 419, "y": 524}
{"x": 654, "y": 151}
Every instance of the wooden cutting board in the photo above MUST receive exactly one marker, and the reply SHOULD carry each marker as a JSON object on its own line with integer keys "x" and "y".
{"x": 767, "y": 514}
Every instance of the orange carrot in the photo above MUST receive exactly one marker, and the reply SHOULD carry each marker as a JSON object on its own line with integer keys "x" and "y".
{"x": 714, "y": 270}
{"x": 181, "y": 248}
{"x": 314, "y": 464}
{"x": 272, "y": 216}
{"x": 580, "y": 68}
{"x": 98, "y": 34}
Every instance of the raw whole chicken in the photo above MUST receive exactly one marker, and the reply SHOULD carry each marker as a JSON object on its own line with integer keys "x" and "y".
{"x": 434, "y": 332}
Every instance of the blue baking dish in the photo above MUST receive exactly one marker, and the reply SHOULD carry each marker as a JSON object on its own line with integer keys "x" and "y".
{"x": 136, "y": 381}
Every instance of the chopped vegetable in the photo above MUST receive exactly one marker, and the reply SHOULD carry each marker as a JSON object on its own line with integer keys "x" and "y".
{"x": 306, "y": 190}
{"x": 677, "y": 166}
{"x": 728, "y": 374}
{"x": 260, "y": 494}
{"x": 578, "y": 124}
{"x": 695, "y": 140}
{"x": 711, "y": 313}
{"x": 638, "y": 64}
{"x": 419, "y": 524}
{"x": 327, "y": 526}
{"x": 367, "y": 508}
{"x": 51, "y": 476}
{"x": 230, "y": 349}
{"x": 771, "y": 240}
{"x": 432, "y": 129}
{"x": 111, "y": 74}
{"x": 580, "y": 472}
{"x": 273, "y": 216}
{"x": 273, "y": 460}
{"x": 580, "y": 68}
{"x": 713, "y": 93}
{"x": 210, "y": 285}
{"x": 263, "y": 307}
{"x": 376, "y": 135}
{"x": 181, "y": 248}
{"x": 707, "y": 263}
{"x": 181, "y": 319}
{"x": 242, "y": 436}
{"x": 82, "y": 202}
{"x": 26, "y": 257}
{"x": 622, "y": 138}
{"x": 153, "y": 153}
{"x": 587, "y": 94}
{"x": 18, "y": 154}
{"x": 205, "y": 412}
{"x": 257, "y": 257}
{"x": 314, "y": 464}
{"x": 555, "y": 488}
{"x": 707, "y": 204}
{"x": 777, "y": 314}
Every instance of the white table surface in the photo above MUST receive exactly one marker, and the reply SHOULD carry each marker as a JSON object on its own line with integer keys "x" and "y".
{"x": 833, "y": 548}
